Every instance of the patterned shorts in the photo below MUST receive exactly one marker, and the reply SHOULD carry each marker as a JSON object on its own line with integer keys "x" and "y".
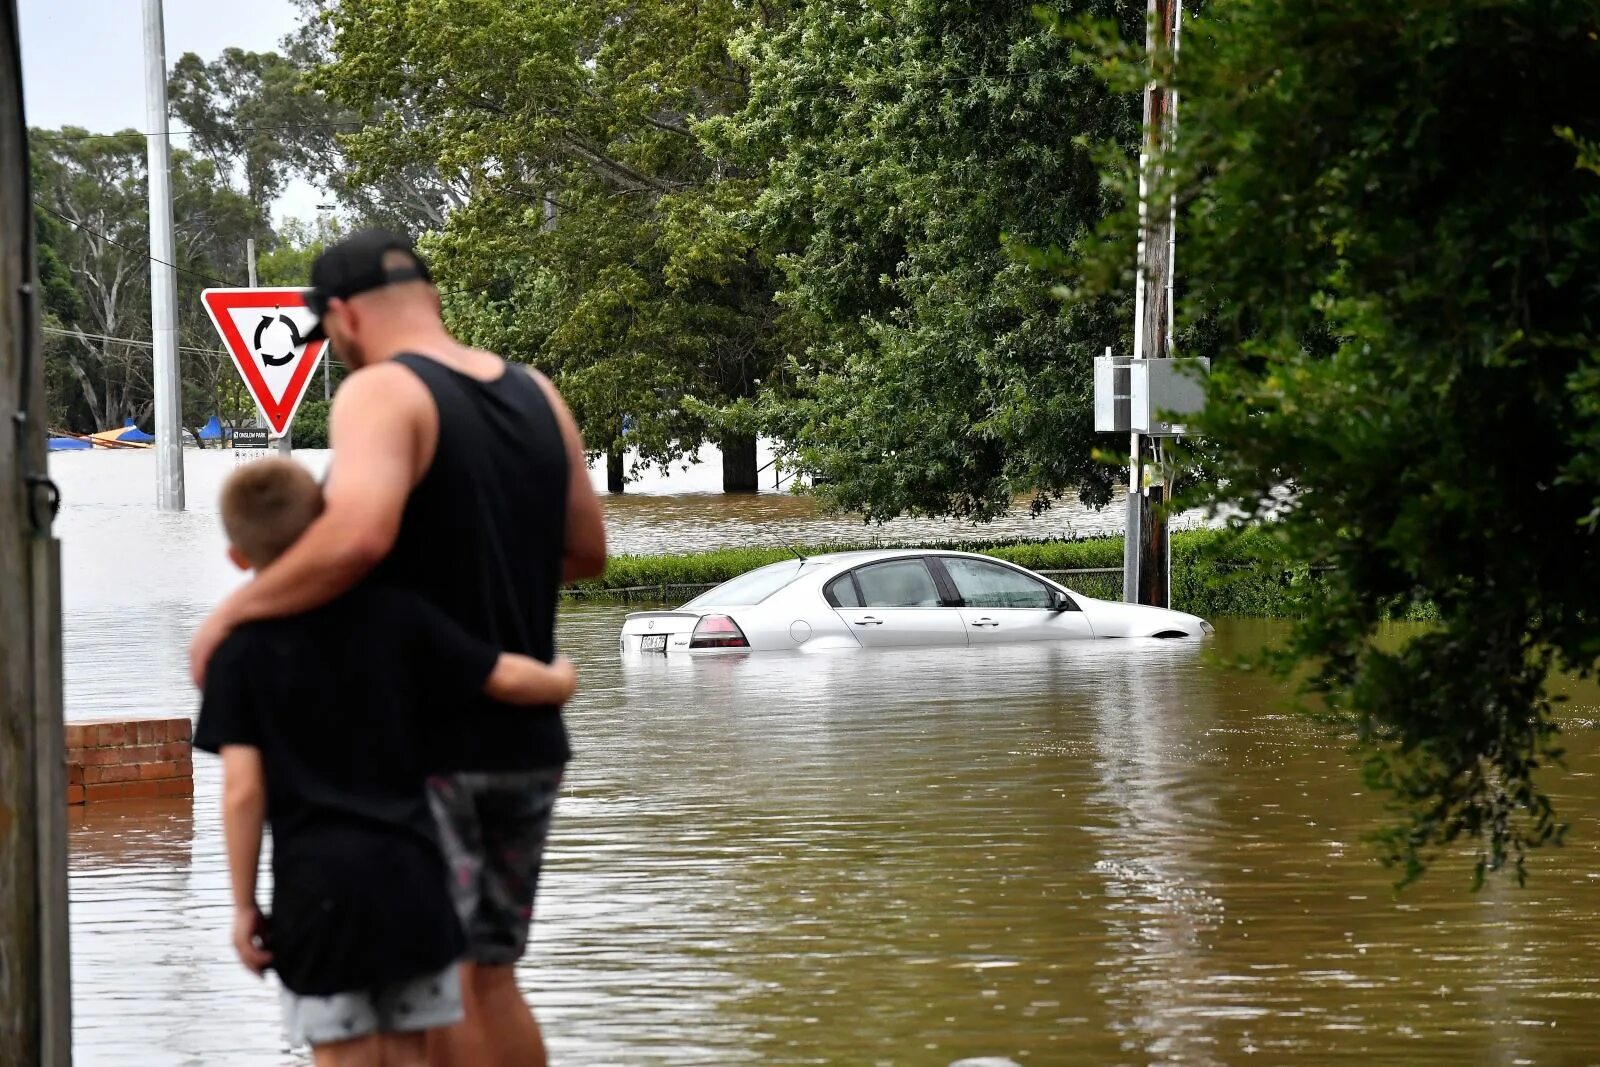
{"x": 405, "y": 1007}
{"x": 493, "y": 827}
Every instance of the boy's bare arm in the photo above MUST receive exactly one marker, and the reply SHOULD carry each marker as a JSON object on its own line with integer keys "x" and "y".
{"x": 525, "y": 681}
{"x": 244, "y": 813}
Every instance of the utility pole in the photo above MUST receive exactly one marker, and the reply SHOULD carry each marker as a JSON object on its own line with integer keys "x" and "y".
{"x": 163, "y": 273}
{"x": 35, "y": 990}
{"x": 1147, "y": 562}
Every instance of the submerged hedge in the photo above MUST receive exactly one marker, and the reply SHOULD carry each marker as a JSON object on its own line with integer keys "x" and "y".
{"x": 1214, "y": 572}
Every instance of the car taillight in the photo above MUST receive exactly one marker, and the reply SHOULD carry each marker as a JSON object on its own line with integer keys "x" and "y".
{"x": 718, "y": 631}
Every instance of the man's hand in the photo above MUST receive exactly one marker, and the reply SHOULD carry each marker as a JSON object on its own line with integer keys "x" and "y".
{"x": 250, "y": 939}
{"x": 207, "y": 640}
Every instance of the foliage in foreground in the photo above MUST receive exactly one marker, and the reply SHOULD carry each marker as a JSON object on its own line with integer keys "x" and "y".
{"x": 1391, "y": 217}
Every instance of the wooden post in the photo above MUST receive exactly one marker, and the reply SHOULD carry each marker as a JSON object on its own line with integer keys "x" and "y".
{"x": 1147, "y": 570}
{"x": 35, "y": 1025}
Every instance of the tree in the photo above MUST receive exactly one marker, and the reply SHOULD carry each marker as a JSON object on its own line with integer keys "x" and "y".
{"x": 909, "y": 145}
{"x": 1390, "y": 216}
{"x": 257, "y": 117}
{"x": 595, "y": 235}
{"x": 245, "y": 114}
{"x": 93, "y": 190}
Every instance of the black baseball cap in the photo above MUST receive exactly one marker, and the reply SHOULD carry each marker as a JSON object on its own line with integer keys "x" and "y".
{"x": 355, "y": 265}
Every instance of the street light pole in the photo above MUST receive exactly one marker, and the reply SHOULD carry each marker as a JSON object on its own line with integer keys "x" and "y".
{"x": 163, "y": 273}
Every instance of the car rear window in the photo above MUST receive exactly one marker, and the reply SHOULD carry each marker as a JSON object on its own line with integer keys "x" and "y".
{"x": 749, "y": 589}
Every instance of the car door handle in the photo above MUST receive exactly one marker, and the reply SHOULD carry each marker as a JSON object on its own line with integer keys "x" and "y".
{"x": 868, "y": 620}
{"x": 984, "y": 622}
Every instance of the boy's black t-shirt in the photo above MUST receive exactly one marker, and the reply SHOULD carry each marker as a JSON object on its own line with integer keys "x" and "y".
{"x": 337, "y": 701}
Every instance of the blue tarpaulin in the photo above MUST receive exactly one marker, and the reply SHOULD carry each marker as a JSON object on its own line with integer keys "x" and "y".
{"x": 135, "y": 434}
{"x": 211, "y": 431}
{"x": 67, "y": 444}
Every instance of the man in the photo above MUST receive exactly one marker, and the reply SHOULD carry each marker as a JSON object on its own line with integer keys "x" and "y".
{"x": 463, "y": 479}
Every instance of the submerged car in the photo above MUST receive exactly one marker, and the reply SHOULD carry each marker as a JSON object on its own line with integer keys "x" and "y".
{"x": 892, "y": 597}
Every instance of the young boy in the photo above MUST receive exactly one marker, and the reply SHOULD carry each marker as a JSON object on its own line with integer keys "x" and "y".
{"x": 320, "y": 722}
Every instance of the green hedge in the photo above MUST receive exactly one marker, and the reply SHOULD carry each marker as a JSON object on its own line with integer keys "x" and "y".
{"x": 310, "y": 428}
{"x": 1214, "y": 572}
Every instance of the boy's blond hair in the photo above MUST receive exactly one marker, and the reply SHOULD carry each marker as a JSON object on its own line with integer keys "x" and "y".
{"x": 266, "y": 506}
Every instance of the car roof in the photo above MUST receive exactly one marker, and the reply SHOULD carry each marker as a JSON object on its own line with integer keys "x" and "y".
{"x": 874, "y": 555}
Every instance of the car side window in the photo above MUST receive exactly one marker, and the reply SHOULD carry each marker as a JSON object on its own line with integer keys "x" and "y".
{"x": 841, "y": 592}
{"x": 903, "y": 583}
{"x": 989, "y": 585}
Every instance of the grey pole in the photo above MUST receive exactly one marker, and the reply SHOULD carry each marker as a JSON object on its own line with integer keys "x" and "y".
{"x": 163, "y": 275}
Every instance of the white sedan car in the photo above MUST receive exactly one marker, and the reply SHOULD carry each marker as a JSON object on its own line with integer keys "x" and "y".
{"x": 892, "y": 597}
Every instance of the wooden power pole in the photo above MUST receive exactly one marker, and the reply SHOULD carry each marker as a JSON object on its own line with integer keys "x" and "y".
{"x": 1147, "y": 564}
{"x": 35, "y": 1025}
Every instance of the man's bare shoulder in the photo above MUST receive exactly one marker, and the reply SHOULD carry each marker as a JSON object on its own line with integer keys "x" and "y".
{"x": 385, "y": 385}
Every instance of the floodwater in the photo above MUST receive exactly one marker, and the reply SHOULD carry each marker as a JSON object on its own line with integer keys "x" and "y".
{"x": 1111, "y": 853}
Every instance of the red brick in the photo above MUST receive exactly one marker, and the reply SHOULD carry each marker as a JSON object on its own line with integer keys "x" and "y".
{"x": 79, "y": 735}
{"x": 74, "y": 755}
{"x": 74, "y": 794}
{"x": 111, "y": 733}
{"x": 173, "y": 787}
{"x": 121, "y": 791}
{"x": 181, "y": 730}
{"x": 148, "y": 732}
{"x": 150, "y": 771}
{"x": 105, "y": 775}
{"x": 74, "y": 774}
{"x": 176, "y": 750}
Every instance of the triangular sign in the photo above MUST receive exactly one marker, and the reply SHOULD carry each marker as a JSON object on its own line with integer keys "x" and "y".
{"x": 262, "y": 329}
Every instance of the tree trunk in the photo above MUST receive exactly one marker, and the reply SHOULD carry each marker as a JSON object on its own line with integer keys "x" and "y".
{"x": 616, "y": 480}
{"x": 739, "y": 463}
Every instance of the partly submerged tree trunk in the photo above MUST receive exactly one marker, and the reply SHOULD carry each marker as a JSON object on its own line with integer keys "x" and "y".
{"x": 739, "y": 463}
{"x": 616, "y": 480}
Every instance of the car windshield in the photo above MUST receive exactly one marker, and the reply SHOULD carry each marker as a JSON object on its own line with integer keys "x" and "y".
{"x": 752, "y": 588}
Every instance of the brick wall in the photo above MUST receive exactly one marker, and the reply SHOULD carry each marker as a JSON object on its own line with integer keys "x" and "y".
{"x": 115, "y": 759}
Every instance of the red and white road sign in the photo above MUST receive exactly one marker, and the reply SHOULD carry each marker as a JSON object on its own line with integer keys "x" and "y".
{"x": 262, "y": 329}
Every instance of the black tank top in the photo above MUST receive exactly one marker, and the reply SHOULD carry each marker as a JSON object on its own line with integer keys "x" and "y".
{"x": 483, "y": 538}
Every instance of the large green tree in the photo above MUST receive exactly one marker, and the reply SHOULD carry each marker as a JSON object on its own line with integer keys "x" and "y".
{"x": 913, "y": 147}
{"x": 1390, "y": 216}
{"x": 596, "y": 235}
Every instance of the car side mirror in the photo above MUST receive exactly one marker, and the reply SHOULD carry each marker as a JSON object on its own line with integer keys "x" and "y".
{"x": 1060, "y": 602}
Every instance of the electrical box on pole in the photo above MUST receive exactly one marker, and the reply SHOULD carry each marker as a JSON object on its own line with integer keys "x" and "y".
{"x": 1147, "y": 396}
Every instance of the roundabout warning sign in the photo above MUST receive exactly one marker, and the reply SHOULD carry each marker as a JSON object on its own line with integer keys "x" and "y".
{"x": 264, "y": 331}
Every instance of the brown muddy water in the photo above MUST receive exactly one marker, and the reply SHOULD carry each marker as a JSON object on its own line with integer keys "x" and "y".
{"x": 1107, "y": 853}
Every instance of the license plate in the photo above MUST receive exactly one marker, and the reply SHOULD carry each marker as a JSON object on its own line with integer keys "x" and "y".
{"x": 654, "y": 643}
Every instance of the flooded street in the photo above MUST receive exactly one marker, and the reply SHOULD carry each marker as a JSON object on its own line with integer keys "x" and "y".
{"x": 1105, "y": 853}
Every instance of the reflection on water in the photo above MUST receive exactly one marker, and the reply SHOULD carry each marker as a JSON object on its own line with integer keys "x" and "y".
{"x": 1107, "y": 853}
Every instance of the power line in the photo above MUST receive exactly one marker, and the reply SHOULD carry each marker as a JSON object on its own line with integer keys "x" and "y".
{"x": 75, "y": 224}
{"x": 134, "y": 342}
